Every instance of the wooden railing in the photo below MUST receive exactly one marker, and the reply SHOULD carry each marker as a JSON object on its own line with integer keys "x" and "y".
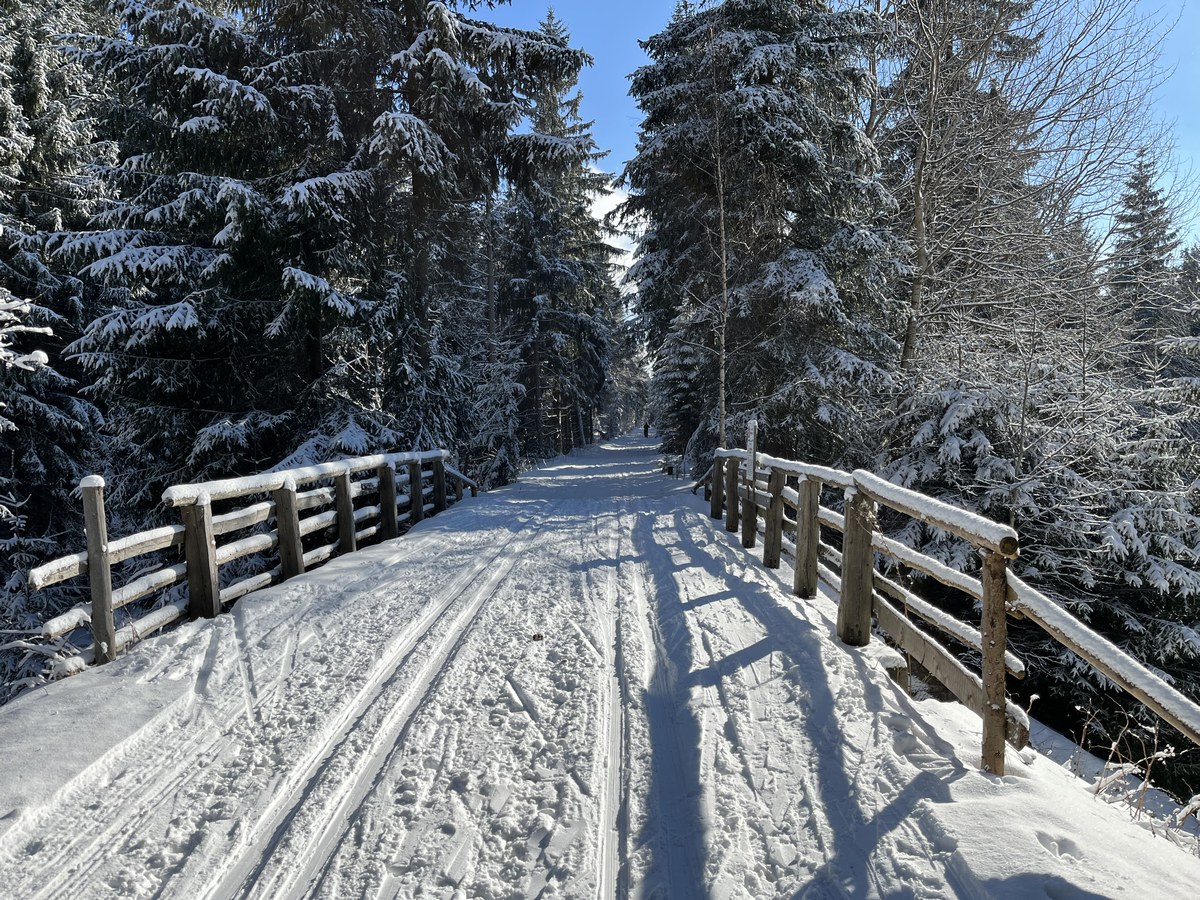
{"x": 299, "y": 519}
{"x": 766, "y": 487}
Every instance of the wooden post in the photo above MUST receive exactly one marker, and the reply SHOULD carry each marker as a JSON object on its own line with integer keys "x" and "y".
{"x": 773, "y": 537}
{"x": 104, "y": 631}
{"x": 474, "y": 491}
{"x": 808, "y": 538}
{"x": 994, "y": 633}
{"x": 287, "y": 523}
{"x": 749, "y": 513}
{"x": 716, "y": 496}
{"x": 458, "y": 489}
{"x": 387, "y": 501}
{"x": 858, "y": 559}
{"x": 732, "y": 465}
{"x": 345, "y": 512}
{"x": 439, "y": 485}
{"x": 200, "y": 549}
{"x": 749, "y": 507}
{"x": 416, "y": 492}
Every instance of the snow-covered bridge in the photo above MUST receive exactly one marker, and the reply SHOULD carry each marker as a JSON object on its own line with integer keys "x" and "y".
{"x": 577, "y": 686}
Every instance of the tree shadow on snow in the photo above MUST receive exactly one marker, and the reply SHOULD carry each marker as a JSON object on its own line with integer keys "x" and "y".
{"x": 855, "y": 835}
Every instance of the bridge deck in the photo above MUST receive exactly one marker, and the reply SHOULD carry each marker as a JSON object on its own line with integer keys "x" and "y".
{"x": 573, "y": 687}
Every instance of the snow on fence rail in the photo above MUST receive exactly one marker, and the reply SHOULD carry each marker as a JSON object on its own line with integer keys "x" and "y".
{"x": 767, "y": 486}
{"x": 399, "y": 489}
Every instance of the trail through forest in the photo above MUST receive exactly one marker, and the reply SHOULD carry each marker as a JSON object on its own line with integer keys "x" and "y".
{"x": 577, "y": 686}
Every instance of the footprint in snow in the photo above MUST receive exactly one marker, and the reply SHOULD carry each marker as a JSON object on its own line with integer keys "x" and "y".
{"x": 1060, "y": 847}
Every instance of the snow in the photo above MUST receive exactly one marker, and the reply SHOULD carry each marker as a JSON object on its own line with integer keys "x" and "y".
{"x": 1107, "y": 657}
{"x": 575, "y": 686}
{"x": 185, "y": 494}
{"x": 808, "y": 470}
{"x": 935, "y": 512}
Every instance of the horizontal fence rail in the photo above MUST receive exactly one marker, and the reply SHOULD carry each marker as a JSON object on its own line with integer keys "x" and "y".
{"x": 295, "y": 520}
{"x": 780, "y": 500}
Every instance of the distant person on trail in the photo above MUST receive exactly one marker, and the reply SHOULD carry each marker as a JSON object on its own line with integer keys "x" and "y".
{"x": 646, "y": 430}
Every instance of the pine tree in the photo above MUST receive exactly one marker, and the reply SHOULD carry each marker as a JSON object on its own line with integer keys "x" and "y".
{"x": 295, "y": 182}
{"x": 1046, "y": 425}
{"x": 1140, "y": 272}
{"x": 559, "y": 298}
{"x": 763, "y": 220}
{"x": 48, "y": 141}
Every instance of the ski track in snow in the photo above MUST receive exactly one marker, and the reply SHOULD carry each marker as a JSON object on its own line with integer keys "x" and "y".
{"x": 578, "y": 686}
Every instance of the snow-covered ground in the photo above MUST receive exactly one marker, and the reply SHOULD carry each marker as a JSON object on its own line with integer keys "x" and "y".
{"x": 573, "y": 687}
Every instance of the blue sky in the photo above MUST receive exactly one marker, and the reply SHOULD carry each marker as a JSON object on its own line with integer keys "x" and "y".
{"x": 1178, "y": 100}
{"x": 610, "y": 30}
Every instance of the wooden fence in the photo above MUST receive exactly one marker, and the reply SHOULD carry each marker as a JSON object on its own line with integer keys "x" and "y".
{"x": 757, "y": 489}
{"x": 298, "y": 519}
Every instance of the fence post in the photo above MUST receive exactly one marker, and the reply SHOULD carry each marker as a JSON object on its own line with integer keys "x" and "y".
{"x": 808, "y": 538}
{"x": 994, "y": 633}
{"x": 716, "y": 497}
{"x": 773, "y": 537}
{"x": 387, "y": 501}
{"x": 732, "y": 465}
{"x": 458, "y": 489}
{"x": 749, "y": 507}
{"x": 287, "y": 523}
{"x": 858, "y": 559}
{"x": 416, "y": 492}
{"x": 104, "y": 632}
{"x": 345, "y": 511}
{"x": 200, "y": 549}
{"x": 439, "y": 485}
{"x": 749, "y": 511}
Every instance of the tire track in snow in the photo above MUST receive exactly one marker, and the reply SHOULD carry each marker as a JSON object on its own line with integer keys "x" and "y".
{"x": 369, "y": 780}
{"x": 426, "y": 804}
{"x": 680, "y": 843}
{"x": 121, "y": 801}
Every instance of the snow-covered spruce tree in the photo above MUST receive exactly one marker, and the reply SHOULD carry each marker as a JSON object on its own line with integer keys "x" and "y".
{"x": 628, "y": 399}
{"x": 241, "y": 236}
{"x": 48, "y": 138}
{"x": 558, "y": 298}
{"x": 1183, "y": 349}
{"x": 292, "y": 182}
{"x": 1045, "y": 424}
{"x": 1141, "y": 276}
{"x": 1027, "y": 393}
{"x": 762, "y": 216}
{"x": 13, "y": 617}
{"x": 47, "y": 141}
{"x": 461, "y": 87}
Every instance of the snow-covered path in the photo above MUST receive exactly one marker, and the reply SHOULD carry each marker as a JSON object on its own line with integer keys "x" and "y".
{"x": 573, "y": 687}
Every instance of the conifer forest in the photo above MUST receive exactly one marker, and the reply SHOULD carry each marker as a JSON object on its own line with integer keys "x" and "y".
{"x": 937, "y": 239}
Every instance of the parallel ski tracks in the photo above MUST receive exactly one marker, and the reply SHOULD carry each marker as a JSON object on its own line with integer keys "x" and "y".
{"x": 138, "y": 792}
{"x": 289, "y": 845}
